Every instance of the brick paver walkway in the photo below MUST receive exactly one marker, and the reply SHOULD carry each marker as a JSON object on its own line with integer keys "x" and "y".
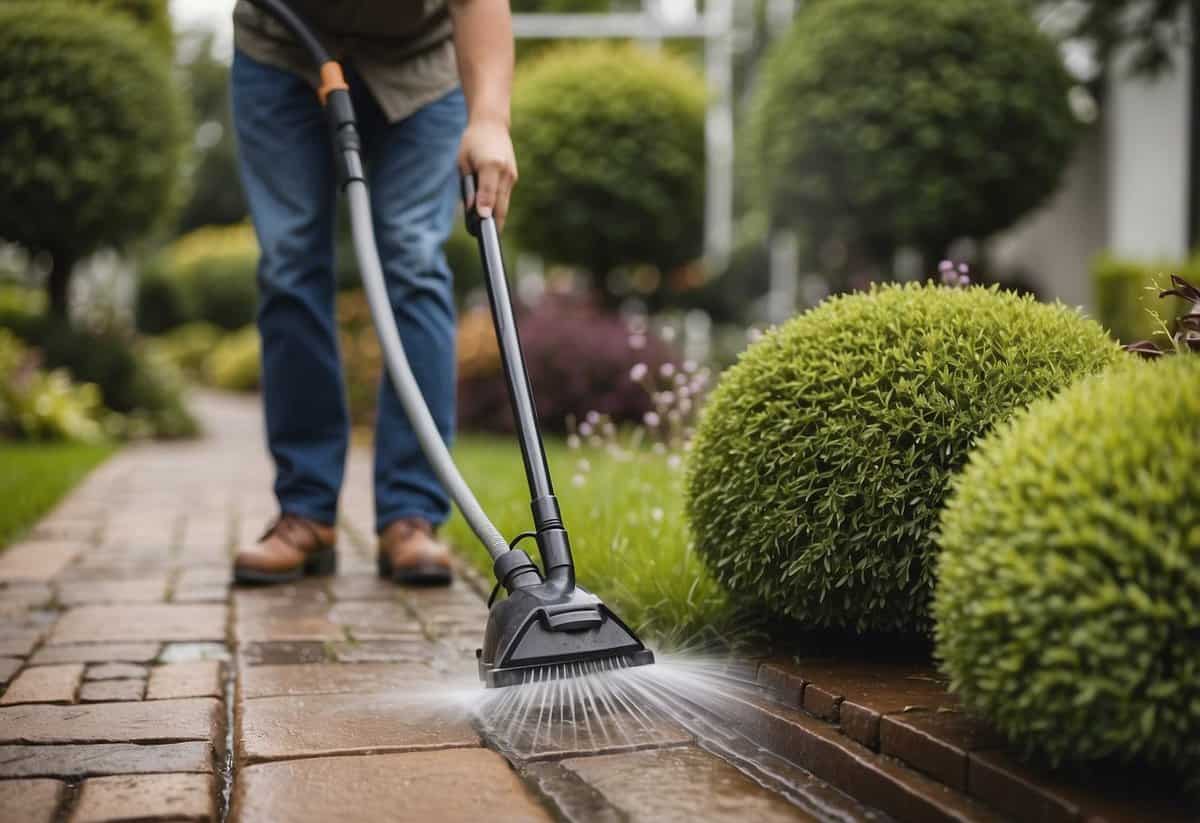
{"x": 140, "y": 685}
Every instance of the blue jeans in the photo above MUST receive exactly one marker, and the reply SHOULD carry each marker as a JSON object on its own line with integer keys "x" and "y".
{"x": 290, "y": 182}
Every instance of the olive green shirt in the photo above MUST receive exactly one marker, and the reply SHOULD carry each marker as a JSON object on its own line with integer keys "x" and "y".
{"x": 403, "y": 49}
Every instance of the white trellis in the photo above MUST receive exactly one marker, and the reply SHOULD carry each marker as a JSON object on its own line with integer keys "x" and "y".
{"x": 675, "y": 19}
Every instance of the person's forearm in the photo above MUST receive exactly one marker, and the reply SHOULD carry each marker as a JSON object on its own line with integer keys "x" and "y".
{"x": 483, "y": 39}
{"x": 484, "y": 42}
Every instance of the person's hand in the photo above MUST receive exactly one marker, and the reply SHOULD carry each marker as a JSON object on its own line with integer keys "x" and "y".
{"x": 487, "y": 151}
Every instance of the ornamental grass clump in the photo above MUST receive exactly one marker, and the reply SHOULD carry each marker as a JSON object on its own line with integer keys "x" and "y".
{"x": 1068, "y": 595}
{"x": 822, "y": 460}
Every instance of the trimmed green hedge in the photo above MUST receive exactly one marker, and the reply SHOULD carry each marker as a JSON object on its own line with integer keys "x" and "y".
{"x": 206, "y": 276}
{"x": 152, "y": 16}
{"x": 235, "y": 362}
{"x": 1126, "y": 293}
{"x": 612, "y": 138}
{"x": 1068, "y": 597}
{"x": 882, "y": 123}
{"x": 823, "y": 457}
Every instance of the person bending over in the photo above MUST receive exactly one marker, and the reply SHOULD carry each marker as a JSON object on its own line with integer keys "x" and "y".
{"x": 430, "y": 81}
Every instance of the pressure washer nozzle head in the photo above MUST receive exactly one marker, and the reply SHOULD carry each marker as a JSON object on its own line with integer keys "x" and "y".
{"x": 548, "y": 632}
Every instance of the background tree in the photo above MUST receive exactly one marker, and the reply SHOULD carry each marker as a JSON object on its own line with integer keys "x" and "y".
{"x": 216, "y": 190}
{"x": 612, "y": 137}
{"x": 1153, "y": 30}
{"x": 91, "y": 134}
{"x": 880, "y": 124}
{"x": 152, "y": 16}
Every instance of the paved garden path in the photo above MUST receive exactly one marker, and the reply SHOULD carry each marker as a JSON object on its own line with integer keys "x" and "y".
{"x": 141, "y": 685}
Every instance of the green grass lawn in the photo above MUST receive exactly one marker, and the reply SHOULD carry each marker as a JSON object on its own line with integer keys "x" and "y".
{"x": 33, "y": 476}
{"x": 627, "y": 532}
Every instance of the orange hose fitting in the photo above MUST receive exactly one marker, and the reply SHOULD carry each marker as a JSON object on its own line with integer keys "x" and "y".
{"x": 331, "y": 79}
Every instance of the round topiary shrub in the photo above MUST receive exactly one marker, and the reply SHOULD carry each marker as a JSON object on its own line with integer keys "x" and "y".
{"x": 882, "y": 123}
{"x": 91, "y": 133}
{"x": 208, "y": 275}
{"x": 235, "y": 362}
{"x": 822, "y": 459}
{"x": 1068, "y": 595}
{"x": 153, "y": 16}
{"x": 613, "y": 139}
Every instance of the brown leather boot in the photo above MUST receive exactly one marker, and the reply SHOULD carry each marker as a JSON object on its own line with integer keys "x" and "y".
{"x": 408, "y": 553}
{"x": 291, "y": 548}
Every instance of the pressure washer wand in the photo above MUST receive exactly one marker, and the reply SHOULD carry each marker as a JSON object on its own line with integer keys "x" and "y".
{"x": 553, "y": 543}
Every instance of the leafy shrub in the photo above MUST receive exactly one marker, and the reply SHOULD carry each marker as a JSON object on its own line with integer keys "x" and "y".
{"x": 215, "y": 197}
{"x": 614, "y": 139}
{"x": 18, "y": 301}
{"x": 152, "y": 16}
{"x": 133, "y": 381}
{"x": 1068, "y": 596}
{"x": 91, "y": 133}
{"x": 188, "y": 346}
{"x": 578, "y": 358}
{"x": 44, "y": 405}
{"x": 882, "y": 123}
{"x": 1126, "y": 295}
{"x": 208, "y": 275}
{"x": 235, "y": 362}
{"x": 822, "y": 459}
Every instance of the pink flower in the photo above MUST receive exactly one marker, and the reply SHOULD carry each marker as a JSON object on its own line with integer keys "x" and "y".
{"x": 638, "y": 373}
{"x": 651, "y": 419}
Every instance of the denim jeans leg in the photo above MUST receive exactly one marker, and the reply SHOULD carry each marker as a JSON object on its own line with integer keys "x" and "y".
{"x": 414, "y": 193}
{"x": 285, "y": 160}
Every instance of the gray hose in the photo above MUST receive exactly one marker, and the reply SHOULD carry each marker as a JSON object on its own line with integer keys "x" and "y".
{"x": 402, "y": 376}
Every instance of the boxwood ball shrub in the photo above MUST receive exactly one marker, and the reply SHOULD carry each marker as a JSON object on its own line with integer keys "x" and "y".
{"x": 822, "y": 459}
{"x": 92, "y": 128}
{"x": 153, "y": 16}
{"x": 881, "y": 123}
{"x": 207, "y": 275}
{"x": 1068, "y": 596}
{"x": 613, "y": 138}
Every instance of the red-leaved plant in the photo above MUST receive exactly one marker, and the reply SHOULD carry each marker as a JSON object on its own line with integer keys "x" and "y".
{"x": 1186, "y": 337}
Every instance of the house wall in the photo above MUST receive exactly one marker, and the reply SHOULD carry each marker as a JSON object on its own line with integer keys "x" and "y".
{"x": 1147, "y": 122}
{"x": 1053, "y": 247}
{"x": 1126, "y": 190}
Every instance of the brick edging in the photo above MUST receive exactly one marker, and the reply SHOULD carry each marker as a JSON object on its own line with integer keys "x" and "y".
{"x": 934, "y": 740}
